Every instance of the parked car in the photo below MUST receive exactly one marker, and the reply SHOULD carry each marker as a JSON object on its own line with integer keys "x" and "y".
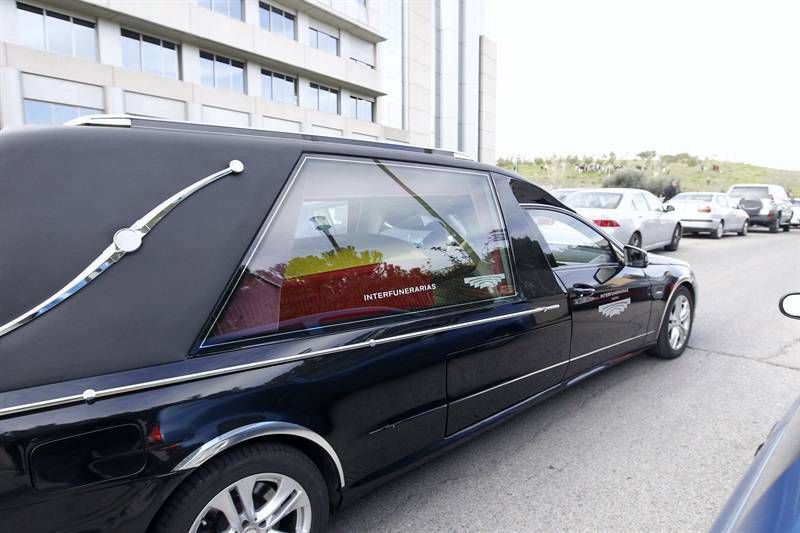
{"x": 632, "y": 216}
{"x": 767, "y": 205}
{"x": 560, "y": 194}
{"x": 287, "y": 323}
{"x": 767, "y": 499}
{"x": 708, "y": 212}
{"x": 795, "y": 212}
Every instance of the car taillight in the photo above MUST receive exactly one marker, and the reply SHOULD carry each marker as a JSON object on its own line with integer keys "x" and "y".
{"x": 605, "y": 223}
{"x": 704, "y": 209}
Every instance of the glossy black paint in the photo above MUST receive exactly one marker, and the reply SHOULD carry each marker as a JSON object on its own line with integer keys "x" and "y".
{"x": 383, "y": 408}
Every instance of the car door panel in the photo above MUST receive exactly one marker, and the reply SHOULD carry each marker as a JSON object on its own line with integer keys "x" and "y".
{"x": 514, "y": 364}
{"x": 610, "y": 321}
{"x": 610, "y": 302}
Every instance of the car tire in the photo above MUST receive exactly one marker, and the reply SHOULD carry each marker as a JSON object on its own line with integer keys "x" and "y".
{"x": 665, "y": 348}
{"x": 743, "y": 232}
{"x": 260, "y": 469}
{"x": 786, "y": 227}
{"x": 719, "y": 231}
{"x": 774, "y": 225}
{"x": 636, "y": 239}
{"x": 677, "y": 233}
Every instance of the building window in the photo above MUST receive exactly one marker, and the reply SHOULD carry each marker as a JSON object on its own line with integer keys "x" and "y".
{"x": 56, "y": 32}
{"x": 278, "y": 87}
{"x": 276, "y": 20}
{"x": 221, "y": 72}
{"x": 38, "y": 112}
{"x": 358, "y": 240}
{"x": 149, "y": 54}
{"x": 323, "y": 98}
{"x": 231, "y": 8}
{"x": 323, "y": 41}
{"x": 361, "y": 108}
{"x": 362, "y": 52}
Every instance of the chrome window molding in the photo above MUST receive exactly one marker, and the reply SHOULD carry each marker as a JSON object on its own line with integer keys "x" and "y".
{"x": 252, "y": 431}
{"x": 275, "y": 211}
{"x": 126, "y": 240}
{"x": 91, "y": 395}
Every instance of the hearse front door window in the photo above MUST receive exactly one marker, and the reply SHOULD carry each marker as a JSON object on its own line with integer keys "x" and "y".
{"x": 571, "y": 242}
{"x": 369, "y": 239}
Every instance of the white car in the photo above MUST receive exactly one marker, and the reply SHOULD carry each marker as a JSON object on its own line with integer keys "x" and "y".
{"x": 795, "y": 212}
{"x": 710, "y": 212}
{"x": 632, "y": 216}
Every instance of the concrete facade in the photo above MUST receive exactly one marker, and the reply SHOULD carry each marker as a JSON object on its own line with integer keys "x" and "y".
{"x": 421, "y": 65}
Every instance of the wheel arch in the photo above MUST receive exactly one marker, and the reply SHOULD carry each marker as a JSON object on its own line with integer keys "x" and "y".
{"x": 311, "y": 443}
{"x": 684, "y": 281}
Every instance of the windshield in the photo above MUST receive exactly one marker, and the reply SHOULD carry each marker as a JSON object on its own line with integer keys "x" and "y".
{"x": 594, "y": 200}
{"x": 749, "y": 192}
{"x": 692, "y": 197}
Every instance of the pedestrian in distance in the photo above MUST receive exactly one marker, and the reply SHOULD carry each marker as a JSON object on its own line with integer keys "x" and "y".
{"x": 671, "y": 190}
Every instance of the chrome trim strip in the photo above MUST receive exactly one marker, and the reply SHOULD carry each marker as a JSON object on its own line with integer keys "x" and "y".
{"x": 547, "y": 308}
{"x": 510, "y": 381}
{"x": 610, "y": 346}
{"x": 252, "y": 431}
{"x": 91, "y": 395}
{"x": 125, "y": 241}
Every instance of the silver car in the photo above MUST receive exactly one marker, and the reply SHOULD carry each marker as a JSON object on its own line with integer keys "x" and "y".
{"x": 710, "y": 212}
{"x": 632, "y": 216}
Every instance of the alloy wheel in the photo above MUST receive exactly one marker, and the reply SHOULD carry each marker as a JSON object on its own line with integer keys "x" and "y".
{"x": 261, "y": 503}
{"x": 680, "y": 321}
{"x": 719, "y": 231}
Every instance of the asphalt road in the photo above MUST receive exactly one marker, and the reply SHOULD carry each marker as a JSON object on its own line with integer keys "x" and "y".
{"x": 649, "y": 445}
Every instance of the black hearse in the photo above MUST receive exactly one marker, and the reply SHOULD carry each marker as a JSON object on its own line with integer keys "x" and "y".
{"x": 214, "y": 329}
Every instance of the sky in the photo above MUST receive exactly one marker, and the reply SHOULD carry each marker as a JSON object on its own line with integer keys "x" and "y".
{"x": 712, "y": 78}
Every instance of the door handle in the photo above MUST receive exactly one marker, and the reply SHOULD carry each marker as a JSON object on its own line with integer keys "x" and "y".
{"x": 582, "y": 289}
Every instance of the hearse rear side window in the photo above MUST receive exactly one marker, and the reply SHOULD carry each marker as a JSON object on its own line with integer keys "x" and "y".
{"x": 361, "y": 239}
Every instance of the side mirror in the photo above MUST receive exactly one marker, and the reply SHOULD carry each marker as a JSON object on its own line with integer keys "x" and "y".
{"x": 635, "y": 257}
{"x": 790, "y": 305}
{"x": 668, "y": 208}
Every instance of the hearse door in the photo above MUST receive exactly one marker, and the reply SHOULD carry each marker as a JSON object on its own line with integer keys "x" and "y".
{"x": 529, "y": 351}
{"x": 610, "y": 302}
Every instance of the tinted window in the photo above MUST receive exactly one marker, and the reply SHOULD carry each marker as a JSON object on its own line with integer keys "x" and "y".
{"x": 594, "y": 200}
{"x": 357, "y": 239}
{"x": 749, "y": 192}
{"x": 571, "y": 242}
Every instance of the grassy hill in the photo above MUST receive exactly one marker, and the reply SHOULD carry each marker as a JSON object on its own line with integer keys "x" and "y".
{"x": 694, "y": 174}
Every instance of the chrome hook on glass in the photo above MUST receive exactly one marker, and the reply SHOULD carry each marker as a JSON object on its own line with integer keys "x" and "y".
{"x": 125, "y": 241}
